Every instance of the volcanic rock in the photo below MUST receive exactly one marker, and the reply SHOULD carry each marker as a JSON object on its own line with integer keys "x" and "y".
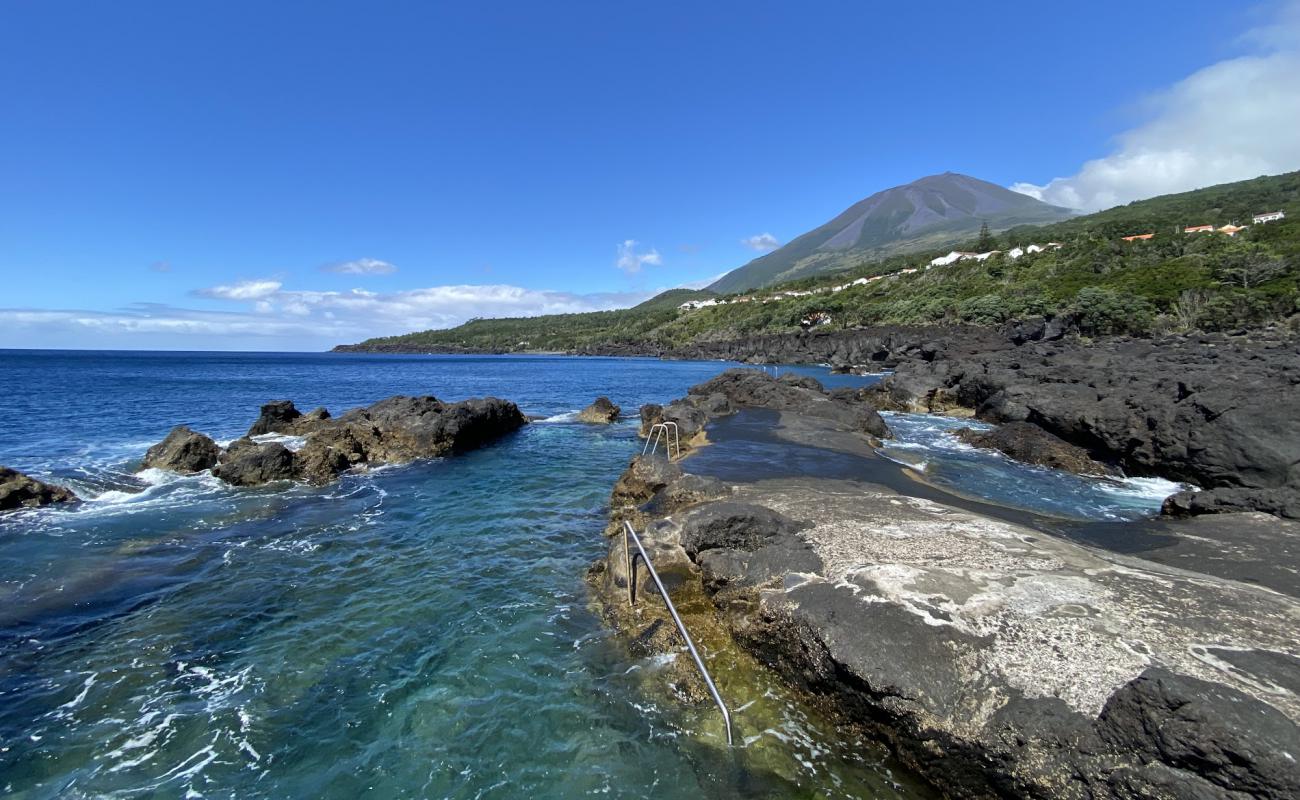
{"x": 749, "y": 388}
{"x": 404, "y": 428}
{"x": 280, "y": 416}
{"x": 1281, "y": 502}
{"x": 249, "y": 463}
{"x": 183, "y": 451}
{"x": 601, "y": 412}
{"x": 21, "y": 491}
{"x": 1025, "y": 441}
{"x": 320, "y": 463}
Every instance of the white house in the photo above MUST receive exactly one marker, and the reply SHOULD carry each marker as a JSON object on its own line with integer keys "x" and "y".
{"x": 1270, "y": 216}
{"x": 1015, "y": 252}
{"x": 691, "y": 305}
{"x": 951, "y": 258}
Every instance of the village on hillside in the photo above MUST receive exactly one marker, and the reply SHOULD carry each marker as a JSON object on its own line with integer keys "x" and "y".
{"x": 822, "y": 318}
{"x": 1231, "y": 229}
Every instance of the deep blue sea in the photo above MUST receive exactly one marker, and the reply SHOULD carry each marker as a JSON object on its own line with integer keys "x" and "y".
{"x": 414, "y": 631}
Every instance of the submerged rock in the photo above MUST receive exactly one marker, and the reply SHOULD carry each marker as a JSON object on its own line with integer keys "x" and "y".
{"x": 21, "y": 491}
{"x": 601, "y": 412}
{"x": 1025, "y": 441}
{"x": 184, "y": 451}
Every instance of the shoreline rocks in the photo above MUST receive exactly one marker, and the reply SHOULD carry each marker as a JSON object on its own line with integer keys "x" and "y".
{"x": 739, "y": 388}
{"x": 184, "y": 451}
{"x": 1030, "y": 444}
{"x": 394, "y": 430}
{"x": 280, "y": 416}
{"x": 18, "y": 490}
{"x": 995, "y": 659}
{"x": 600, "y": 412}
{"x": 1219, "y": 412}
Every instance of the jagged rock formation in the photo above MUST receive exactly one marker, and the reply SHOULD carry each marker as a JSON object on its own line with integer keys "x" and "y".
{"x": 249, "y": 463}
{"x": 1031, "y": 444}
{"x": 280, "y": 416}
{"x": 21, "y": 491}
{"x": 184, "y": 451}
{"x": 601, "y": 412}
{"x": 394, "y": 430}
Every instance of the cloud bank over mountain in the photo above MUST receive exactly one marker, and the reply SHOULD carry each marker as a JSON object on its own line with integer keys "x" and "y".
{"x": 1230, "y": 121}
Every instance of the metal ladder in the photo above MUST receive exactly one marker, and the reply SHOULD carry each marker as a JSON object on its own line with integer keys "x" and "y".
{"x": 681, "y": 626}
{"x": 668, "y": 432}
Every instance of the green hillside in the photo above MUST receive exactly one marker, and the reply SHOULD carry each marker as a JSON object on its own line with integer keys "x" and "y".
{"x": 549, "y": 333}
{"x": 1172, "y": 282}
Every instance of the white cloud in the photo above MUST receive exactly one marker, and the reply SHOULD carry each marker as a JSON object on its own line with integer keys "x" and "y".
{"x": 277, "y": 319}
{"x": 244, "y": 290}
{"x": 702, "y": 284}
{"x": 762, "y": 242}
{"x": 631, "y": 262}
{"x": 361, "y": 266}
{"x": 1230, "y": 121}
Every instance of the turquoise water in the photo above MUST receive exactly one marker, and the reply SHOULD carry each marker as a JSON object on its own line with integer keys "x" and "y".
{"x": 416, "y": 631}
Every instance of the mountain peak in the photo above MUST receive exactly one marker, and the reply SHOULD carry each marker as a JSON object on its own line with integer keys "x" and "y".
{"x": 929, "y": 212}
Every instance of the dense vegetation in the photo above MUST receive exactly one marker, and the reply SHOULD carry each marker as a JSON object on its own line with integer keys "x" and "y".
{"x": 1172, "y": 282}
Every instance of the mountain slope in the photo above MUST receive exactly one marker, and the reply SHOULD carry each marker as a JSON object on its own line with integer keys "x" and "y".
{"x": 1172, "y": 282}
{"x": 927, "y": 213}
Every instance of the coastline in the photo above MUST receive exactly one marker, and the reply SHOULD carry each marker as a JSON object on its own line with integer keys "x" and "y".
{"x": 994, "y": 656}
{"x": 1216, "y": 411}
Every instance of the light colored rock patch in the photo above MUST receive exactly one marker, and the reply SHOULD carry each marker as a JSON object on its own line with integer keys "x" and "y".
{"x": 1060, "y": 619}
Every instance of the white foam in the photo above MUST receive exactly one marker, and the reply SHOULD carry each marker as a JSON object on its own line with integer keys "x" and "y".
{"x": 293, "y": 443}
{"x": 567, "y": 416}
{"x": 160, "y": 487}
{"x": 85, "y": 690}
{"x": 1145, "y": 488}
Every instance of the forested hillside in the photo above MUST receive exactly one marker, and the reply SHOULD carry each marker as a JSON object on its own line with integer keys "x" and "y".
{"x": 1174, "y": 281}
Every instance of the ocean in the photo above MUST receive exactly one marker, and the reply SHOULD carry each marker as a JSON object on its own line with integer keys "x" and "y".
{"x": 420, "y": 630}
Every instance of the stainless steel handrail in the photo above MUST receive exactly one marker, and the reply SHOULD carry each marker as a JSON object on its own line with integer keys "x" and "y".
{"x": 661, "y": 429}
{"x": 681, "y": 626}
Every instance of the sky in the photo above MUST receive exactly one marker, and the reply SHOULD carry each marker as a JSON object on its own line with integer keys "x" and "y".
{"x": 294, "y": 175}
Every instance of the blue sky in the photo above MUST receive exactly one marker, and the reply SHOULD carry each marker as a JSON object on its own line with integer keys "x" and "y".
{"x": 284, "y": 176}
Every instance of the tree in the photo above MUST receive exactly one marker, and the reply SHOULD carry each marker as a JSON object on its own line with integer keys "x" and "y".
{"x": 1105, "y": 312}
{"x": 1189, "y": 308}
{"x": 1252, "y": 270}
{"x": 986, "y": 240}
